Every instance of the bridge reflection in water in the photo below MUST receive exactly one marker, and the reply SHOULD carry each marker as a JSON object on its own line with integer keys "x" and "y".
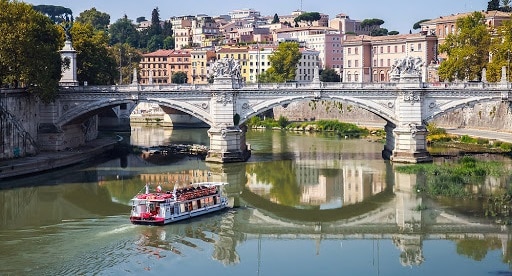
{"x": 316, "y": 196}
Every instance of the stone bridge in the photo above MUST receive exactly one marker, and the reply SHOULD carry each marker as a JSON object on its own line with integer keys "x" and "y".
{"x": 407, "y": 105}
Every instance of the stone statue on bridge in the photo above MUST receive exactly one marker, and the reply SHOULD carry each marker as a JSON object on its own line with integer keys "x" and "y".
{"x": 226, "y": 67}
{"x": 407, "y": 65}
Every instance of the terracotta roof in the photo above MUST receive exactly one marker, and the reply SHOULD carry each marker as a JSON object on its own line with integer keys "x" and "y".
{"x": 233, "y": 50}
{"x": 454, "y": 17}
{"x": 296, "y": 29}
{"x": 383, "y": 38}
{"x": 167, "y": 53}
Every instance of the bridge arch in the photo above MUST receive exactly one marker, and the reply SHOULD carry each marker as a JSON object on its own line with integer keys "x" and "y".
{"x": 86, "y": 110}
{"x": 385, "y": 112}
{"x": 439, "y": 109}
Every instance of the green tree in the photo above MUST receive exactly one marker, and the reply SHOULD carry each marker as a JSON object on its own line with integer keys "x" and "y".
{"x": 156, "y": 28}
{"x": 123, "y": 31}
{"x": 29, "y": 50}
{"x": 155, "y": 42}
{"x": 95, "y": 60}
{"x": 371, "y": 25}
{"x": 276, "y": 19}
{"x": 393, "y": 33}
{"x": 329, "y": 75}
{"x": 169, "y": 43}
{"x": 179, "y": 77}
{"x": 501, "y": 52}
{"x": 128, "y": 57}
{"x": 379, "y": 32}
{"x": 140, "y": 19}
{"x": 57, "y": 14}
{"x": 493, "y": 5}
{"x": 308, "y": 17}
{"x": 98, "y": 20}
{"x": 468, "y": 50}
{"x": 167, "y": 29}
{"x": 283, "y": 63}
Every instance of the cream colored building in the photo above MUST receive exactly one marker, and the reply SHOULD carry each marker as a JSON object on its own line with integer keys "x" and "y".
{"x": 308, "y": 64}
{"x": 259, "y": 61}
{"x": 369, "y": 58}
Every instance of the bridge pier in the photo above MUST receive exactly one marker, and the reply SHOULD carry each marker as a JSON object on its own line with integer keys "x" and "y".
{"x": 227, "y": 145}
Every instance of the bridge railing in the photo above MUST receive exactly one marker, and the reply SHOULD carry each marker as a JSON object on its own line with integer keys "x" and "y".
{"x": 291, "y": 85}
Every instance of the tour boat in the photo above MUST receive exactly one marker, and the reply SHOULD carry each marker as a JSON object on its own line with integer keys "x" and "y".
{"x": 159, "y": 208}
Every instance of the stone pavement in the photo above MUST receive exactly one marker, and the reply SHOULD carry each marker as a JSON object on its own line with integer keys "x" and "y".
{"x": 487, "y": 134}
{"x": 45, "y": 161}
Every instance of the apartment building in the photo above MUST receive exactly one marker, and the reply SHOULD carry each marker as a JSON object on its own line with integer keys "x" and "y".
{"x": 159, "y": 66}
{"x": 345, "y": 25}
{"x": 259, "y": 61}
{"x": 369, "y": 59}
{"x": 327, "y": 41}
{"x": 446, "y": 25}
{"x": 308, "y": 63}
{"x": 201, "y": 59}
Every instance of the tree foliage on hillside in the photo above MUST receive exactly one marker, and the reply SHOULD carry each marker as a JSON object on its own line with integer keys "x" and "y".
{"x": 468, "y": 50}
{"x": 57, "y": 14}
{"x": 98, "y": 20}
{"x": 275, "y": 20}
{"x": 123, "y": 31}
{"x": 283, "y": 63}
{"x": 308, "y": 17}
{"x": 29, "y": 50}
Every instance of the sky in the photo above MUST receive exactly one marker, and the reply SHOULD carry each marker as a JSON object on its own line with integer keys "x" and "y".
{"x": 398, "y": 15}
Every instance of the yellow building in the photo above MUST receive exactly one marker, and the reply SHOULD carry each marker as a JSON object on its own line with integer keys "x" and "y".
{"x": 201, "y": 59}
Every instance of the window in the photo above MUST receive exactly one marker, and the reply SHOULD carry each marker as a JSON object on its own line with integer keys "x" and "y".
{"x": 349, "y": 63}
{"x": 356, "y": 63}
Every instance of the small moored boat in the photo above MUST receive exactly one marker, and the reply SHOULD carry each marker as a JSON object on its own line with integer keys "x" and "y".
{"x": 159, "y": 208}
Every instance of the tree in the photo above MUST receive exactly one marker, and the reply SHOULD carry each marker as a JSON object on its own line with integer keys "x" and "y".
{"x": 501, "y": 53}
{"x": 29, "y": 50}
{"x": 98, "y": 20}
{"x": 393, "y": 33}
{"x": 417, "y": 25}
{"x": 123, "y": 31}
{"x": 371, "y": 24}
{"x": 95, "y": 60}
{"x": 140, "y": 19}
{"x": 167, "y": 29}
{"x": 156, "y": 28}
{"x": 57, "y": 14}
{"x": 379, "y": 32}
{"x": 308, "y": 17}
{"x": 283, "y": 63}
{"x": 329, "y": 75}
{"x": 468, "y": 50}
{"x": 493, "y": 5}
{"x": 128, "y": 57}
{"x": 179, "y": 77}
{"x": 276, "y": 19}
{"x": 169, "y": 43}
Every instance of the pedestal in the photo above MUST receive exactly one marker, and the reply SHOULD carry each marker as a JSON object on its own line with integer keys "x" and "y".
{"x": 410, "y": 145}
{"x": 227, "y": 145}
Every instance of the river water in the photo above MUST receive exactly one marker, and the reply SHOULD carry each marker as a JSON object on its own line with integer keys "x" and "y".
{"x": 304, "y": 204}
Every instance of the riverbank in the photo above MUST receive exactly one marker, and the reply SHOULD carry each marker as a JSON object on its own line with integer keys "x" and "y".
{"x": 47, "y": 161}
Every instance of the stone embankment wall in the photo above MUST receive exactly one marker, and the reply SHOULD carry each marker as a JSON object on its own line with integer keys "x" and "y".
{"x": 18, "y": 123}
{"x": 487, "y": 116}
